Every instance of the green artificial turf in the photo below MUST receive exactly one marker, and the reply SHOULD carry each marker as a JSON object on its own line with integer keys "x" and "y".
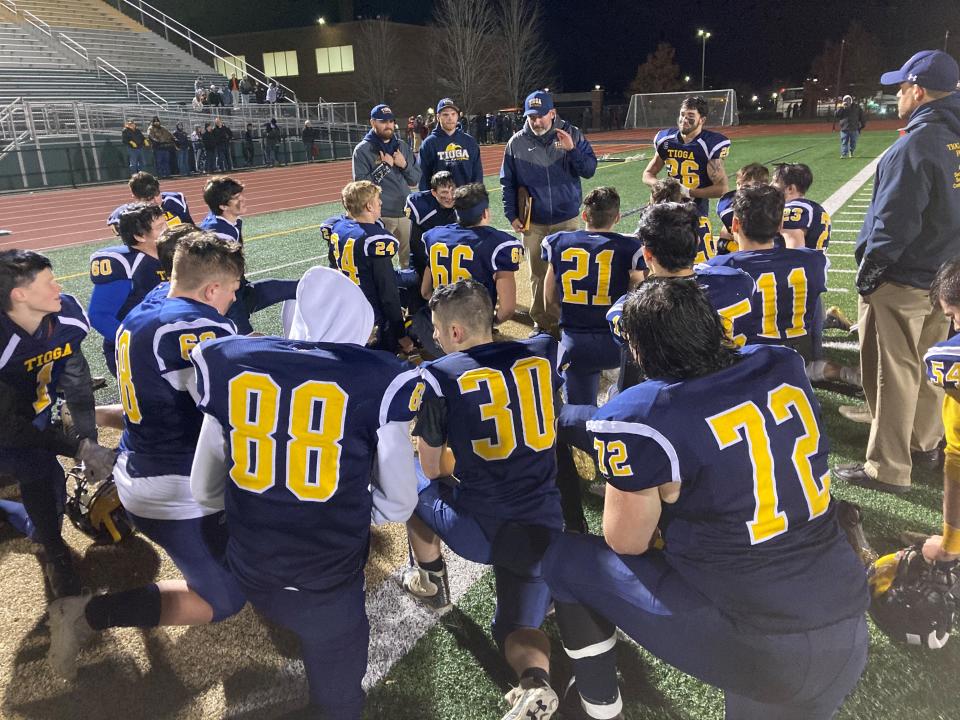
{"x": 454, "y": 672}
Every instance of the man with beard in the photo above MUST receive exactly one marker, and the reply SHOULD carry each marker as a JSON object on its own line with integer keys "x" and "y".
{"x": 449, "y": 148}
{"x": 544, "y": 161}
{"x": 692, "y": 155}
{"x": 388, "y": 162}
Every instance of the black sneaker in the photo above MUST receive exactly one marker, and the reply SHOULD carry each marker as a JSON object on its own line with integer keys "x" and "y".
{"x": 62, "y": 579}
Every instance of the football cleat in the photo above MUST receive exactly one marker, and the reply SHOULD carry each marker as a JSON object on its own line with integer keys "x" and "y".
{"x": 430, "y": 587}
{"x": 95, "y": 510}
{"x": 914, "y": 601}
{"x": 531, "y": 700}
{"x": 62, "y": 579}
{"x": 836, "y": 320}
{"x": 69, "y": 631}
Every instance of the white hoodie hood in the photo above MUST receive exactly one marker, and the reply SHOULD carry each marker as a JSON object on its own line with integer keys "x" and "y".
{"x": 328, "y": 308}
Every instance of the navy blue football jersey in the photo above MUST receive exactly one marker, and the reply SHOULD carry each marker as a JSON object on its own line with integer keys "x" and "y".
{"x": 156, "y": 383}
{"x": 300, "y": 420}
{"x": 725, "y": 209}
{"x": 753, "y": 528}
{"x": 809, "y": 216}
{"x": 706, "y": 244}
{"x": 728, "y": 289}
{"x": 140, "y": 273}
{"x": 174, "y": 206}
{"x": 592, "y": 269}
{"x": 457, "y": 253}
{"x": 223, "y": 227}
{"x": 942, "y": 362}
{"x": 31, "y": 365}
{"x": 326, "y": 232}
{"x": 499, "y": 398}
{"x": 355, "y": 246}
{"x": 788, "y": 283}
{"x": 687, "y": 162}
{"x": 423, "y": 209}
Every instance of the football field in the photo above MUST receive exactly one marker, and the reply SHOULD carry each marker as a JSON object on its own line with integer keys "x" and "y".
{"x": 422, "y": 665}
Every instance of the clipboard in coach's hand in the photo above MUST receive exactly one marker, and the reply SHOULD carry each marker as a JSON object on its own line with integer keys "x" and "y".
{"x": 524, "y": 207}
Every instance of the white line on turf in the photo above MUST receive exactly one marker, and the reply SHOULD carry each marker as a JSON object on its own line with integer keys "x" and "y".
{"x": 839, "y": 290}
{"x": 285, "y": 265}
{"x": 842, "y": 242}
{"x": 841, "y": 345}
{"x": 851, "y": 187}
{"x": 840, "y": 270}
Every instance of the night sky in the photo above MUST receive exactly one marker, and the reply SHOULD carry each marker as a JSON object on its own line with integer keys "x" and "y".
{"x": 761, "y": 43}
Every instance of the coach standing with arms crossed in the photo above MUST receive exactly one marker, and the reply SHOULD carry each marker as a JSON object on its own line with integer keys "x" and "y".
{"x": 547, "y": 158}
{"x": 912, "y": 226}
{"x": 387, "y": 161}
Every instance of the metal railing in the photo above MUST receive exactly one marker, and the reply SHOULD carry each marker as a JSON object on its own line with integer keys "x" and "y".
{"x": 71, "y": 44}
{"x": 9, "y": 5}
{"x": 112, "y": 71}
{"x": 36, "y": 22}
{"x": 196, "y": 41}
{"x": 149, "y": 95}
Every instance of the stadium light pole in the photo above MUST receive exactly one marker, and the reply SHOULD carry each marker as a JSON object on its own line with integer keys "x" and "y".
{"x": 703, "y": 35}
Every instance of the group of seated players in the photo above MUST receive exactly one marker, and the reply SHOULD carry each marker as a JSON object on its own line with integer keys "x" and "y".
{"x": 258, "y": 463}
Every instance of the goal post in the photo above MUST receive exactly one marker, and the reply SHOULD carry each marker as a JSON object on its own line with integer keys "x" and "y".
{"x": 660, "y": 110}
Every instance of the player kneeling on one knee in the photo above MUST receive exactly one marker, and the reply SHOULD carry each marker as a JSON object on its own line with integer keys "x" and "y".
{"x": 488, "y": 415}
{"x": 756, "y": 590}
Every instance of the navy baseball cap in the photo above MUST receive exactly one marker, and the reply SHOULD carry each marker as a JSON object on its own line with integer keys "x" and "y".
{"x": 446, "y": 103}
{"x": 381, "y": 112}
{"x": 538, "y": 102}
{"x": 931, "y": 69}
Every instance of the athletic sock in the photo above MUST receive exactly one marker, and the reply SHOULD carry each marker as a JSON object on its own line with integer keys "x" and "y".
{"x": 435, "y": 566}
{"x": 534, "y": 677}
{"x": 591, "y": 642}
{"x": 139, "y": 607}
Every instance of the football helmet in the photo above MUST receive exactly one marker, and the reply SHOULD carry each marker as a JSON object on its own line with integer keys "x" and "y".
{"x": 96, "y": 510}
{"x": 912, "y": 600}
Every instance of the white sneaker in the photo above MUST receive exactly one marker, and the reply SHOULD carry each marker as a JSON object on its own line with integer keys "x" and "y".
{"x": 538, "y": 702}
{"x": 431, "y": 587}
{"x": 69, "y": 631}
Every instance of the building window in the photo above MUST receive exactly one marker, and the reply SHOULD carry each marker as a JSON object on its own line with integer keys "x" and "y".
{"x": 335, "y": 60}
{"x": 281, "y": 64}
{"x": 231, "y": 64}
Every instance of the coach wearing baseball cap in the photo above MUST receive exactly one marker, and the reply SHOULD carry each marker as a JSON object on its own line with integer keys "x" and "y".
{"x": 544, "y": 161}
{"x": 449, "y": 148}
{"x": 911, "y": 228}
{"x": 386, "y": 160}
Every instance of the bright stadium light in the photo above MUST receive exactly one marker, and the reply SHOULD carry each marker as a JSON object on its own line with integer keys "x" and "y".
{"x": 686, "y": 78}
{"x": 704, "y": 36}
{"x": 773, "y": 96}
{"x": 753, "y": 99}
{"x": 321, "y": 21}
{"x": 596, "y": 87}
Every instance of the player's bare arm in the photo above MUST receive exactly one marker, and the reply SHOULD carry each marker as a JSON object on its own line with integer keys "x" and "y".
{"x": 550, "y": 295}
{"x": 718, "y": 176}
{"x": 506, "y": 282}
{"x": 429, "y": 458}
{"x": 630, "y": 519}
{"x": 793, "y": 238}
{"x": 653, "y": 169}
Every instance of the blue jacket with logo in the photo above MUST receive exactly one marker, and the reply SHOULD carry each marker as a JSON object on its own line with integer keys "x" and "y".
{"x": 550, "y": 174}
{"x": 913, "y": 222}
{"x": 459, "y": 153}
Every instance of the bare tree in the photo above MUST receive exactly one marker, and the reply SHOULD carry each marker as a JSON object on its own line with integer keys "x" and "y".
{"x": 465, "y": 49}
{"x": 527, "y": 60}
{"x": 377, "y": 48}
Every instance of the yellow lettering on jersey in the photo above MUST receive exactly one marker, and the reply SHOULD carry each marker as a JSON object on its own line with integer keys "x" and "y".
{"x": 444, "y": 272}
{"x": 416, "y": 397}
{"x": 516, "y": 255}
{"x": 172, "y": 220}
{"x": 797, "y": 280}
{"x": 49, "y": 356}
{"x": 792, "y": 214}
{"x": 728, "y": 316}
{"x": 188, "y": 341}
{"x": 709, "y": 244}
{"x": 344, "y": 258}
{"x": 581, "y": 268}
{"x": 746, "y": 422}
{"x": 537, "y": 412}
{"x": 320, "y": 405}
{"x": 825, "y": 234}
{"x": 128, "y": 392}
{"x": 253, "y": 402}
{"x": 687, "y": 172}
{"x": 101, "y": 266}
{"x": 612, "y": 458}
{"x": 384, "y": 248}
{"x": 44, "y": 377}
{"x": 769, "y": 291}
{"x": 940, "y": 377}
{"x": 452, "y": 152}
{"x": 681, "y": 154}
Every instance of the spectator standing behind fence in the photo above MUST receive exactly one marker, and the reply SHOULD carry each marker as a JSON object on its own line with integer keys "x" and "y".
{"x": 388, "y": 162}
{"x": 235, "y": 89}
{"x": 214, "y": 98}
{"x": 197, "y": 103}
{"x": 210, "y": 146}
{"x": 182, "y": 142}
{"x": 222, "y": 136}
{"x": 271, "y": 139}
{"x": 134, "y": 141}
{"x": 163, "y": 144}
{"x": 246, "y": 89}
{"x": 309, "y": 136}
{"x": 272, "y": 93}
{"x": 199, "y": 152}
{"x": 248, "y": 151}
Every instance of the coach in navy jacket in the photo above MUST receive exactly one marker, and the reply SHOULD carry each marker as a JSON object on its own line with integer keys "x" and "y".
{"x": 912, "y": 226}
{"x": 449, "y": 148}
{"x": 547, "y": 157}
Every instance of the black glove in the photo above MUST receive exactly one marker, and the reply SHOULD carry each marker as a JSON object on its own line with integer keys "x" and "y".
{"x": 869, "y": 277}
